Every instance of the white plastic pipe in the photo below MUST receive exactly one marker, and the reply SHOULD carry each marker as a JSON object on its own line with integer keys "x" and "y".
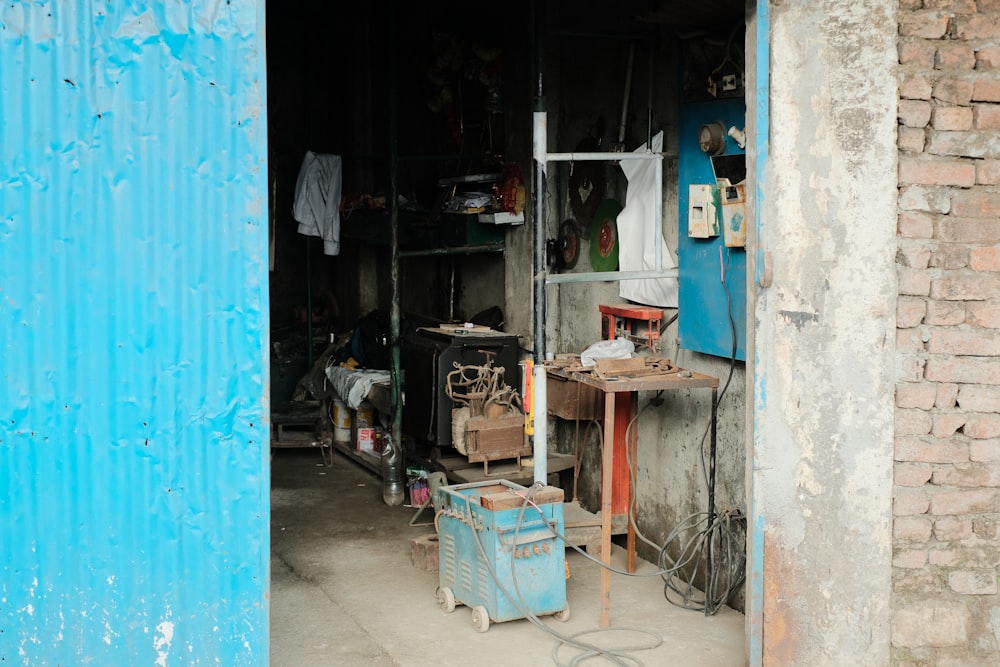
{"x": 541, "y": 416}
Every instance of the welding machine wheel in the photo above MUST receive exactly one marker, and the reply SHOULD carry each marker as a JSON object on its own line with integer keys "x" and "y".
{"x": 562, "y": 615}
{"x": 480, "y": 619}
{"x": 446, "y": 599}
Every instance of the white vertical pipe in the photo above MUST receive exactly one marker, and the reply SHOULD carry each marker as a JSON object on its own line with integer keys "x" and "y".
{"x": 541, "y": 413}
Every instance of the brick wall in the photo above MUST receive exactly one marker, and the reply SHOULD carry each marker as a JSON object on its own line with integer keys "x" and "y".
{"x": 946, "y": 530}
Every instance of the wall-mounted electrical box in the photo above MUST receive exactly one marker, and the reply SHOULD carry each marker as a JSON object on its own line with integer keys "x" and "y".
{"x": 703, "y": 211}
{"x": 734, "y": 215}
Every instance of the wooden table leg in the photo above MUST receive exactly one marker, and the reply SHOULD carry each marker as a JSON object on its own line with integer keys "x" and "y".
{"x": 633, "y": 439}
{"x": 607, "y": 469}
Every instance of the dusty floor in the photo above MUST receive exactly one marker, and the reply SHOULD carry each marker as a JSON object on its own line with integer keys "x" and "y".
{"x": 345, "y": 592}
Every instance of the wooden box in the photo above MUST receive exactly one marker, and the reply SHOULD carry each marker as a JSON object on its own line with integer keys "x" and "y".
{"x": 567, "y": 399}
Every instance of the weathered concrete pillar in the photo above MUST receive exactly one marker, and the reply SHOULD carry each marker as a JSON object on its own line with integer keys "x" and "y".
{"x": 822, "y": 371}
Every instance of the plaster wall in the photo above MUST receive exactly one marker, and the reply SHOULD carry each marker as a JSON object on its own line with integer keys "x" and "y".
{"x": 823, "y": 374}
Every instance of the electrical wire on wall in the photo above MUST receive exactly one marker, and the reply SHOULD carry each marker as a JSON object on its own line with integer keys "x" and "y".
{"x": 712, "y": 543}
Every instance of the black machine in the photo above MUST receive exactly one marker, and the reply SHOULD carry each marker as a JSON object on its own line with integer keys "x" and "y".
{"x": 428, "y": 355}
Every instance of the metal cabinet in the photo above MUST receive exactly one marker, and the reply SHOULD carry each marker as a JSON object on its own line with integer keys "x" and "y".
{"x": 427, "y": 356}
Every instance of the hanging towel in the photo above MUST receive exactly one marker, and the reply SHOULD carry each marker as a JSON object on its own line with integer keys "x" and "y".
{"x": 317, "y": 199}
{"x": 637, "y": 236}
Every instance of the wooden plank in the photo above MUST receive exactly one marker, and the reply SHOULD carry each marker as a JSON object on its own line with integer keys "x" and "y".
{"x": 508, "y": 499}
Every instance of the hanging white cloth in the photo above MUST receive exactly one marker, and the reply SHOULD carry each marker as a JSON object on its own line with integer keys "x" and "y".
{"x": 317, "y": 199}
{"x": 638, "y": 236}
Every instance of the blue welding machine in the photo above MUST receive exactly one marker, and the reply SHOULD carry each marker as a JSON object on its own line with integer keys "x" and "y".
{"x": 499, "y": 551}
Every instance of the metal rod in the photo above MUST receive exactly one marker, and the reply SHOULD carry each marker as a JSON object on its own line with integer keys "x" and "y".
{"x": 628, "y": 91}
{"x": 608, "y": 156}
{"x": 457, "y": 250}
{"x": 394, "y": 309}
{"x": 709, "y": 584}
{"x": 309, "y": 305}
{"x": 608, "y": 276}
{"x": 538, "y": 192}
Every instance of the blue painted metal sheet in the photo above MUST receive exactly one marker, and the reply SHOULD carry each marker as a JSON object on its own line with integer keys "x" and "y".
{"x": 705, "y": 302}
{"x": 133, "y": 321}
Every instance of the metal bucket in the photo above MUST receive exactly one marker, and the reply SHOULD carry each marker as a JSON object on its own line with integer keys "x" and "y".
{"x": 341, "y": 421}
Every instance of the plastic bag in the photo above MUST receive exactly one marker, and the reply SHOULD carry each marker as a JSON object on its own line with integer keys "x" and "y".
{"x": 618, "y": 348}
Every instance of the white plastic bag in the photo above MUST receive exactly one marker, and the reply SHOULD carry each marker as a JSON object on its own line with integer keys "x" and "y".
{"x": 618, "y": 348}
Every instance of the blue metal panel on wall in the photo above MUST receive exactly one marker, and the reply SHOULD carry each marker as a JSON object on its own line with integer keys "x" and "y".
{"x": 706, "y": 301}
{"x": 134, "y": 475}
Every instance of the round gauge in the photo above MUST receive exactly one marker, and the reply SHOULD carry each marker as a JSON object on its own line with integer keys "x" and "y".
{"x": 712, "y": 138}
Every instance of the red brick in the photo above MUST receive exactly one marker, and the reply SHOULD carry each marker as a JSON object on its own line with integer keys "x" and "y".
{"x": 914, "y": 113}
{"x": 956, "y": 229}
{"x": 988, "y": 172}
{"x": 979, "y": 582}
{"x": 930, "y": 450}
{"x": 986, "y": 451}
{"x": 915, "y": 225}
{"x": 963, "y": 370}
{"x": 985, "y": 314}
{"x": 953, "y": 118}
{"x": 985, "y": 259}
{"x": 912, "y": 422}
{"x": 984, "y": 90}
{"x": 974, "y": 398}
{"x": 910, "y": 502}
{"x": 986, "y": 116}
{"x": 909, "y": 559}
{"x": 973, "y": 343}
{"x": 975, "y": 204}
{"x": 965, "y": 501}
{"x": 955, "y": 6}
{"x": 944, "y": 313}
{"x": 961, "y": 144}
{"x": 910, "y": 367}
{"x": 911, "y": 139}
{"x": 955, "y": 56}
{"x": 988, "y": 58}
{"x": 953, "y": 91}
{"x": 918, "y": 53}
{"x": 910, "y": 312}
{"x": 913, "y": 256}
{"x": 924, "y": 198}
{"x": 950, "y": 256}
{"x": 952, "y": 528}
{"x": 929, "y": 25}
{"x": 912, "y": 529}
{"x": 946, "y": 396}
{"x": 979, "y": 475}
{"x": 910, "y": 474}
{"x": 946, "y": 424}
{"x": 919, "y": 395}
{"x": 982, "y": 427}
{"x": 915, "y": 87}
{"x": 913, "y": 282}
{"x": 966, "y": 286}
{"x": 937, "y": 171}
{"x": 909, "y": 341}
{"x": 946, "y": 557}
{"x": 977, "y": 27}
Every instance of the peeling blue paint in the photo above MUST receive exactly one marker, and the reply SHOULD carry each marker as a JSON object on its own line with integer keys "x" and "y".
{"x": 133, "y": 313}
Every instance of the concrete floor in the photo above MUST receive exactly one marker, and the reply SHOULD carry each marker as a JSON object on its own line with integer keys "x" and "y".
{"x": 345, "y": 592}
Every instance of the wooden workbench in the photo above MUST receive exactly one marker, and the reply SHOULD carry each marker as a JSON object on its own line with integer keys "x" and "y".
{"x": 612, "y": 446}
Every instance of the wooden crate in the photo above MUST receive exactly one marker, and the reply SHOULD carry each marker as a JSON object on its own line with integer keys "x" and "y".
{"x": 567, "y": 399}
{"x": 496, "y": 439}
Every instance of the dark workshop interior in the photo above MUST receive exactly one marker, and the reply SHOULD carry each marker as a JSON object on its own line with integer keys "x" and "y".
{"x": 403, "y": 133}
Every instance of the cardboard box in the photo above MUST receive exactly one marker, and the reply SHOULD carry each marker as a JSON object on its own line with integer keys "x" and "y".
{"x": 368, "y": 440}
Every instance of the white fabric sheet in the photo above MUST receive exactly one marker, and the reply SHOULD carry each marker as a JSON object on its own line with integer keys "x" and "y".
{"x": 637, "y": 237}
{"x": 317, "y": 199}
{"x": 353, "y": 385}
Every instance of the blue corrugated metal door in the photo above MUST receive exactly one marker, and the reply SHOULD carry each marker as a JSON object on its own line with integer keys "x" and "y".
{"x": 133, "y": 322}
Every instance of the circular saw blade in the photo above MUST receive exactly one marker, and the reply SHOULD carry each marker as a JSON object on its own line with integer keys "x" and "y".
{"x": 604, "y": 236}
{"x": 569, "y": 243}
